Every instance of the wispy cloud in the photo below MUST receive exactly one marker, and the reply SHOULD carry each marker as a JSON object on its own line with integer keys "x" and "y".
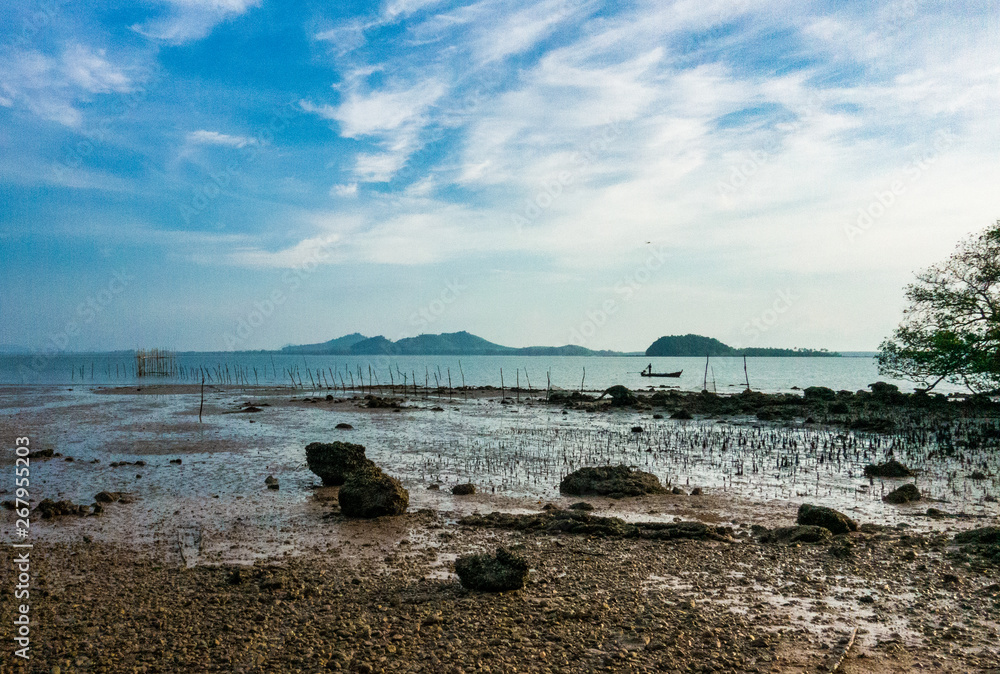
{"x": 203, "y": 137}
{"x": 187, "y": 20}
{"x": 53, "y": 86}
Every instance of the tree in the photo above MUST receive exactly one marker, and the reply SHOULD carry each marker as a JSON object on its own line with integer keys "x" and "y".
{"x": 951, "y": 328}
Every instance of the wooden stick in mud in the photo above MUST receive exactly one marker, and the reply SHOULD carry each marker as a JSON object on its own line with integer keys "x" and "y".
{"x": 501, "y": 384}
{"x": 529, "y": 381}
{"x": 202, "y": 405}
{"x": 518, "y": 389}
{"x": 840, "y": 660}
{"x": 449, "y": 383}
{"x": 464, "y": 391}
{"x": 583, "y": 380}
{"x": 745, "y": 372}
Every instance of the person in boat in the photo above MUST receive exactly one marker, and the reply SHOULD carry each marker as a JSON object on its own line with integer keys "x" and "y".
{"x": 649, "y": 369}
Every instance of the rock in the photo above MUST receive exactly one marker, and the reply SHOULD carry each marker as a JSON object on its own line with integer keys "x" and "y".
{"x": 982, "y": 536}
{"x": 657, "y": 416}
{"x": 502, "y": 572}
{"x": 344, "y": 426}
{"x": 890, "y": 468}
{"x": 376, "y": 402}
{"x": 696, "y": 491}
{"x": 49, "y": 508}
{"x": 977, "y": 475}
{"x": 828, "y": 518}
{"x": 550, "y": 506}
{"x": 434, "y": 487}
{"x": 437, "y": 409}
{"x": 620, "y": 396}
{"x": 904, "y": 494}
{"x": 334, "y": 461}
{"x": 819, "y": 393}
{"x": 369, "y": 493}
{"x": 176, "y": 461}
{"x": 108, "y": 497}
{"x": 796, "y": 534}
{"x": 615, "y": 481}
{"x": 329, "y": 396}
{"x": 583, "y": 523}
{"x": 9, "y": 505}
{"x": 97, "y": 508}
{"x": 681, "y": 414}
{"x": 463, "y": 489}
{"x": 582, "y": 505}
{"x": 270, "y": 479}
{"x": 637, "y": 429}
{"x": 41, "y": 454}
{"x": 677, "y": 491}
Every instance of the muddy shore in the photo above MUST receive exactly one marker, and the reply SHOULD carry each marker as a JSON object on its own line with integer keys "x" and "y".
{"x": 205, "y": 569}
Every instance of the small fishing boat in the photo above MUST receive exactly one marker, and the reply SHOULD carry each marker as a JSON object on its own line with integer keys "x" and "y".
{"x": 648, "y": 372}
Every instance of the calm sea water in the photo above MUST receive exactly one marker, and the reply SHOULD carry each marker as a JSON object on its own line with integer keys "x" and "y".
{"x": 566, "y": 372}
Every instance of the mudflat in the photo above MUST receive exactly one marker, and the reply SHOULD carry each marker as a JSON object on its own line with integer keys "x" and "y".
{"x": 200, "y": 565}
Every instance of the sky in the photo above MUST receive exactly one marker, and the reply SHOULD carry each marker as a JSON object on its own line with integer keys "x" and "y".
{"x": 246, "y": 174}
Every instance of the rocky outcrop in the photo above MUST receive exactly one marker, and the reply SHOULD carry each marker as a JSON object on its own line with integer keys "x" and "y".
{"x": 583, "y": 523}
{"x": 369, "y": 493}
{"x": 614, "y": 481}
{"x": 905, "y": 494}
{"x": 463, "y": 489}
{"x": 796, "y": 534}
{"x": 828, "y": 518}
{"x": 890, "y": 468}
{"x": 334, "y": 461}
{"x": 502, "y": 572}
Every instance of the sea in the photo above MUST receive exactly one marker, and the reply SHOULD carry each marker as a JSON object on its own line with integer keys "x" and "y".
{"x": 590, "y": 373}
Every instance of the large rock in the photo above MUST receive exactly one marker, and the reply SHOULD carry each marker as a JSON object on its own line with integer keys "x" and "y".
{"x": 613, "y": 481}
{"x": 334, "y": 461}
{"x": 797, "y": 534}
{"x": 501, "y": 572}
{"x": 904, "y": 494}
{"x": 620, "y": 396}
{"x": 890, "y": 468}
{"x": 828, "y": 518}
{"x": 371, "y": 493}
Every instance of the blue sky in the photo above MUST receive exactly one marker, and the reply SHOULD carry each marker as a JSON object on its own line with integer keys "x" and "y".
{"x": 216, "y": 174}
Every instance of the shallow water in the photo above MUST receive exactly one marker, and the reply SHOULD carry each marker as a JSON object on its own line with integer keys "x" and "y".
{"x": 515, "y": 454}
{"x": 538, "y": 372}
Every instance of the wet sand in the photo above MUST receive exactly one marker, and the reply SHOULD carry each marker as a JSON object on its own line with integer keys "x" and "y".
{"x": 150, "y": 586}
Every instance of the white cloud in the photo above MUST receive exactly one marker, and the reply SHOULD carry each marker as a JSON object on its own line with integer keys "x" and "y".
{"x": 307, "y": 253}
{"x": 203, "y": 137}
{"x": 52, "y": 86}
{"x": 344, "y": 190}
{"x": 188, "y": 20}
{"x": 392, "y": 118}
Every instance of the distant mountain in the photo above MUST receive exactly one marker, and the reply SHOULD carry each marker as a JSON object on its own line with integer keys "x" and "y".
{"x": 341, "y": 345}
{"x": 446, "y": 344}
{"x": 697, "y": 345}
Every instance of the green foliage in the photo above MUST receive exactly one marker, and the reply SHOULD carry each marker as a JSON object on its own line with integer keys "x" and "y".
{"x": 951, "y": 328}
{"x": 699, "y": 346}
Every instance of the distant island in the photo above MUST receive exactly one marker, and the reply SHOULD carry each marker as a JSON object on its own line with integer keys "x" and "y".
{"x": 697, "y": 345}
{"x": 446, "y": 344}
{"x": 466, "y": 344}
